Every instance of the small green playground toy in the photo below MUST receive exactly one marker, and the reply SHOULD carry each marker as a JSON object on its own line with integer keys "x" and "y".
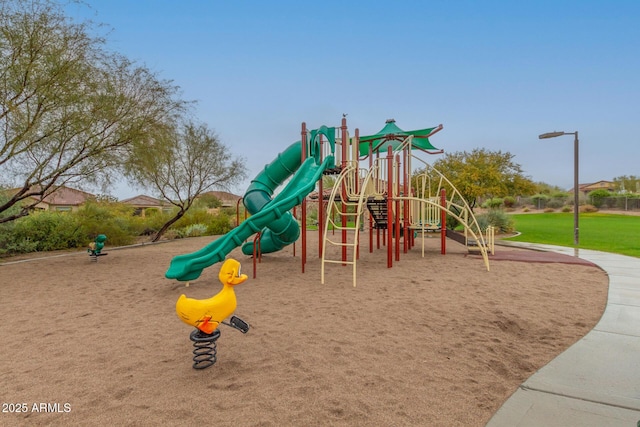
{"x": 95, "y": 247}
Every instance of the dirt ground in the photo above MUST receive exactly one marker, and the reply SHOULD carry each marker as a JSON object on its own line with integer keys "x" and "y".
{"x": 437, "y": 340}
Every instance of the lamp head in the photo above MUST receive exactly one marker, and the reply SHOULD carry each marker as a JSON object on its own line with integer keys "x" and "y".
{"x": 551, "y": 135}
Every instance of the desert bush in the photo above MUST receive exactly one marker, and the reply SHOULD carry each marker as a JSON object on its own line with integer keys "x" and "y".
{"x": 539, "y": 200}
{"x": 48, "y": 231}
{"x": 509, "y": 202}
{"x": 567, "y": 209}
{"x": 555, "y": 203}
{"x": 172, "y": 234}
{"x": 496, "y": 218}
{"x": 597, "y": 197}
{"x": 493, "y": 203}
{"x": 549, "y": 210}
{"x": 588, "y": 209}
{"x": 115, "y": 220}
{"x": 196, "y": 215}
{"x": 154, "y": 220}
{"x": 195, "y": 230}
{"x": 11, "y": 244}
{"x": 220, "y": 224}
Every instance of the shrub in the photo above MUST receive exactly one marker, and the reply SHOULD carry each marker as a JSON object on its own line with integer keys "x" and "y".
{"x": 588, "y": 209}
{"x": 493, "y": 203}
{"x": 567, "y": 209}
{"x": 539, "y": 200}
{"x": 195, "y": 230}
{"x": 115, "y": 220}
{"x": 554, "y": 204}
{"x": 154, "y": 222}
{"x": 220, "y": 224}
{"x": 209, "y": 201}
{"x": 597, "y": 197}
{"x": 48, "y": 231}
{"x": 193, "y": 216}
{"x": 549, "y": 210}
{"x": 509, "y": 202}
{"x": 559, "y": 195}
{"x": 10, "y": 244}
{"x": 172, "y": 234}
{"x": 496, "y": 218}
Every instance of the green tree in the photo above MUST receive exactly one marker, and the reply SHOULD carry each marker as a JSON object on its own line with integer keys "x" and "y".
{"x": 597, "y": 197}
{"x": 69, "y": 109}
{"x": 484, "y": 173}
{"x": 183, "y": 164}
{"x": 627, "y": 184}
{"x": 210, "y": 201}
{"x": 544, "y": 188}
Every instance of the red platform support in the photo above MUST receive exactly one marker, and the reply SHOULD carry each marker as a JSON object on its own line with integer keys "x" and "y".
{"x": 443, "y": 222}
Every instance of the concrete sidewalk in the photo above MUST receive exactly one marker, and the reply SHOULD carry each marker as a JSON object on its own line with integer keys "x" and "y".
{"x": 596, "y": 381}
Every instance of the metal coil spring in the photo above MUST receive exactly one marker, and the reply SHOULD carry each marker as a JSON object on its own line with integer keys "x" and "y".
{"x": 204, "y": 351}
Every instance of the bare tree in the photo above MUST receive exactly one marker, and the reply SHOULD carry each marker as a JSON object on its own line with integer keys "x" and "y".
{"x": 69, "y": 109}
{"x": 182, "y": 165}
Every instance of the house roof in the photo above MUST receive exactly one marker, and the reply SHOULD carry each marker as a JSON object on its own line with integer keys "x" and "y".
{"x": 599, "y": 184}
{"x": 62, "y": 196}
{"x": 143, "y": 200}
{"x": 607, "y": 185}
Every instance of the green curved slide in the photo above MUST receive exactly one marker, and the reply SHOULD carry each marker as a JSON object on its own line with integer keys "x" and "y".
{"x": 272, "y": 215}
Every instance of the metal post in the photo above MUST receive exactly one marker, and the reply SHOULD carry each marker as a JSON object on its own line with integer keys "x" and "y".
{"x": 389, "y": 207}
{"x": 303, "y": 207}
{"x": 576, "y": 193}
{"x": 576, "y": 181}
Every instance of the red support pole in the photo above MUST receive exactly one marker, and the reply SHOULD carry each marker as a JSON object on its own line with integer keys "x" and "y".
{"x": 390, "y": 207}
{"x": 406, "y": 202}
{"x": 443, "y": 222}
{"x": 347, "y": 143}
{"x": 303, "y": 220}
{"x": 370, "y": 218}
{"x": 397, "y": 215}
{"x": 295, "y": 216}
{"x": 257, "y": 252}
{"x": 320, "y": 204}
{"x": 343, "y": 129}
{"x": 397, "y": 230}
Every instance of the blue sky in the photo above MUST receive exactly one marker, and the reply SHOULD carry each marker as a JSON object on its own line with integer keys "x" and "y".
{"x": 495, "y": 74}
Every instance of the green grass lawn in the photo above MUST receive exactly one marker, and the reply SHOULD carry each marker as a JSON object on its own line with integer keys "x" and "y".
{"x": 602, "y": 232}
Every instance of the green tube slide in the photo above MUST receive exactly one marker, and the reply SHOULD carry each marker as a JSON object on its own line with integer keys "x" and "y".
{"x": 269, "y": 216}
{"x": 284, "y": 230}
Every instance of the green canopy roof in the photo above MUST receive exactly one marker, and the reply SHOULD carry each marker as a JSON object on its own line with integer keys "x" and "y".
{"x": 392, "y": 135}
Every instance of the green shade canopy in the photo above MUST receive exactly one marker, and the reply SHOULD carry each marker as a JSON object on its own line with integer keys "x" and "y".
{"x": 392, "y": 135}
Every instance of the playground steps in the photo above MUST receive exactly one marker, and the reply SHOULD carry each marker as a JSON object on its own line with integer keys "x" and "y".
{"x": 346, "y": 210}
{"x": 378, "y": 210}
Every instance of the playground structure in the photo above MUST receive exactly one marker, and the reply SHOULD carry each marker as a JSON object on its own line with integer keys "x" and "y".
{"x": 398, "y": 202}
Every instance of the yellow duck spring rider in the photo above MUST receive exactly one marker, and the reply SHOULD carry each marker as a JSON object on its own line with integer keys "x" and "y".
{"x": 207, "y": 314}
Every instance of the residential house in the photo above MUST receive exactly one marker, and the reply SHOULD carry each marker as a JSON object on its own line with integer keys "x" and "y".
{"x": 600, "y": 185}
{"x": 143, "y": 202}
{"x": 63, "y": 199}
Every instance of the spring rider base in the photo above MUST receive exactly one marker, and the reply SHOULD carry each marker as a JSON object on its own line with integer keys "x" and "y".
{"x": 204, "y": 348}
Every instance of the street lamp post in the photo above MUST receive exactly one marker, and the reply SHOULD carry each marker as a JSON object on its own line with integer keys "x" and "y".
{"x": 576, "y": 189}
